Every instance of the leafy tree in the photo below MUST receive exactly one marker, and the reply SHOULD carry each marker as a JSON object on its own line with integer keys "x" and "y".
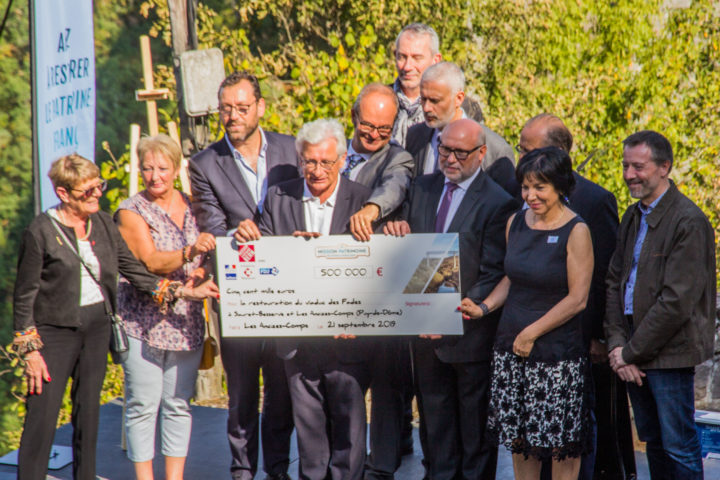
{"x": 608, "y": 68}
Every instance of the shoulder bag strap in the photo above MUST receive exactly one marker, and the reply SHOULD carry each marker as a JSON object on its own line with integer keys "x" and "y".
{"x": 108, "y": 307}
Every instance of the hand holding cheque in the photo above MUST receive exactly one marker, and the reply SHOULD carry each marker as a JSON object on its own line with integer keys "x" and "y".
{"x": 335, "y": 285}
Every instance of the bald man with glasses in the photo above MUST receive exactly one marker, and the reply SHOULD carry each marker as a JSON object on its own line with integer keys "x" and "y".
{"x": 453, "y": 372}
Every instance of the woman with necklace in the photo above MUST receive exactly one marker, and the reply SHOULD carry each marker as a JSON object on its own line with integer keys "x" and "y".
{"x": 68, "y": 264}
{"x": 165, "y": 347}
{"x": 539, "y": 403}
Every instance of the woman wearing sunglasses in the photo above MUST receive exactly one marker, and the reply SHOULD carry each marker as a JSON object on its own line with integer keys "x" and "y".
{"x": 68, "y": 265}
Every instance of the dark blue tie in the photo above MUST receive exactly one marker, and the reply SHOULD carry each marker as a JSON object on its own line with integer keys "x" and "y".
{"x": 352, "y": 162}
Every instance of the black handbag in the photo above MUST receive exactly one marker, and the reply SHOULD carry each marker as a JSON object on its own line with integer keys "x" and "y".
{"x": 119, "y": 344}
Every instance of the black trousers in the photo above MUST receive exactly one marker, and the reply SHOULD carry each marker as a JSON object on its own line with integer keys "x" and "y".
{"x": 329, "y": 407}
{"x": 391, "y": 381}
{"x": 455, "y": 399}
{"x": 615, "y": 458}
{"x": 243, "y": 358}
{"x": 81, "y": 354}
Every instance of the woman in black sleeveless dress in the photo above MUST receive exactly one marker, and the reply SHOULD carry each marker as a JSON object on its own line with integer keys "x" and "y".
{"x": 540, "y": 388}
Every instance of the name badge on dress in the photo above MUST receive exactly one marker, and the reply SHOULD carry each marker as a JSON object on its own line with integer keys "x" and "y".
{"x": 552, "y": 239}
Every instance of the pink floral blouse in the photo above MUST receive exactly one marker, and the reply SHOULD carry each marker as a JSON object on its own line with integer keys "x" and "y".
{"x": 183, "y": 327}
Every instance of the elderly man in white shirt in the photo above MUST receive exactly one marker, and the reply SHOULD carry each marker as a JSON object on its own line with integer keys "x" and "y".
{"x": 327, "y": 377}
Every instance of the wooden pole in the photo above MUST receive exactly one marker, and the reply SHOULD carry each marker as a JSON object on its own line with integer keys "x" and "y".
{"x": 184, "y": 178}
{"x": 134, "y": 160}
{"x": 149, "y": 94}
{"x": 150, "y": 106}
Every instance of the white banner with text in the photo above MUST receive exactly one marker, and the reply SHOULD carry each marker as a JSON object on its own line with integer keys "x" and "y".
{"x": 64, "y": 85}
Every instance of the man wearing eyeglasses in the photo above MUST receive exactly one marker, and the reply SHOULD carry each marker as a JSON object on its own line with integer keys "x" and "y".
{"x": 327, "y": 377}
{"x": 453, "y": 373}
{"x": 373, "y": 160}
{"x": 385, "y": 167}
{"x": 442, "y": 92}
{"x": 229, "y": 182}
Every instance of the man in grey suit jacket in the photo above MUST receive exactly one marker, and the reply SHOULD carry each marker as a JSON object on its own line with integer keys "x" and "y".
{"x": 385, "y": 167}
{"x": 373, "y": 160}
{"x": 453, "y": 373}
{"x": 229, "y": 182}
{"x": 442, "y": 92}
{"x": 327, "y": 377}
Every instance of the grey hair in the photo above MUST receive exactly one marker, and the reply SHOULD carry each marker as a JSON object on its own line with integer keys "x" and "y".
{"x": 421, "y": 29}
{"x": 318, "y": 131}
{"x": 445, "y": 72}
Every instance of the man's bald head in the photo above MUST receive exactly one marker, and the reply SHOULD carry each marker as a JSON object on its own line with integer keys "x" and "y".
{"x": 461, "y": 150}
{"x": 544, "y": 130}
{"x": 465, "y": 129}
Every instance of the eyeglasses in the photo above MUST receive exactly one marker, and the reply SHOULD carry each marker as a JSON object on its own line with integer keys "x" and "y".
{"x": 521, "y": 150}
{"x": 367, "y": 127}
{"x": 460, "y": 155}
{"x": 241, "y": 109}
{"x": 90, "y": 191}
{"x": 324, "y": 164}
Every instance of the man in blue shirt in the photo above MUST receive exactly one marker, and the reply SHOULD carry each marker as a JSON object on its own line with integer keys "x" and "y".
{"x": 660, "y": 315}
{"x": 229, "y": 182}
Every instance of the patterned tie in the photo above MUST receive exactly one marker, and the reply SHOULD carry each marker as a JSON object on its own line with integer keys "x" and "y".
{"x": 444, "y": 207}
{"x": 352, "y": 162}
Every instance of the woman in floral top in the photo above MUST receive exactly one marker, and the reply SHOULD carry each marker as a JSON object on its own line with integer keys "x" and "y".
{"x": 165, "y": 347}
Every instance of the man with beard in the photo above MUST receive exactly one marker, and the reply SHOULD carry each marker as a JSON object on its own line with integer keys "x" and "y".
{"x": 442, "y": 93}
{"x": 453, "y": 373}
{"x": 229, "y": 181}
{"x": 660, "y": 315}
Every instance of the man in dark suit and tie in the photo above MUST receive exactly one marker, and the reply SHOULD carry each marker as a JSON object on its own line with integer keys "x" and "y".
{"x": 453, "y": 373}
{"x": 229, "y": 182}
{"x": 615, "y": 454}
{"x": 327, "y": 377}
{"x": 442, "y": 92}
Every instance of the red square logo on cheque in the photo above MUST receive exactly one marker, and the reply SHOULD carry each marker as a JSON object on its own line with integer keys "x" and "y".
{"x": 246, "y": 253}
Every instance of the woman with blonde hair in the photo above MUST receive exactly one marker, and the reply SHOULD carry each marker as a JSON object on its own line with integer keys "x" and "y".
{"x": 69, "y": 260}
{"x": 165, "y": 347}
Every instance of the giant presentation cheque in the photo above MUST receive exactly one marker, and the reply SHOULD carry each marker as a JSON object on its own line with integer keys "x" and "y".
{"x": 287, "y": 286}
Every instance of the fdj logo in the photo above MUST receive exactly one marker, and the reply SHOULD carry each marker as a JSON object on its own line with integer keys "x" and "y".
{"x": 269, "y": 271}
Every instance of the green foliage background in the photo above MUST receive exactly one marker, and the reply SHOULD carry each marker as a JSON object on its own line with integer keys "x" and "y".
{"x": 608, "y": 68}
